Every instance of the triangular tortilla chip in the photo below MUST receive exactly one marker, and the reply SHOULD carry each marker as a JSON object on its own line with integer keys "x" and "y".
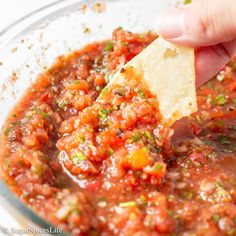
{"x": 169, "y": 72}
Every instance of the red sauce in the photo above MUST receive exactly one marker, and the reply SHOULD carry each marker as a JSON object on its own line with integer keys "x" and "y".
{"x": 107, "y": 167}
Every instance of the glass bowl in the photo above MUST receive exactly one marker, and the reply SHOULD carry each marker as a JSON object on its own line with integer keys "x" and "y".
{"x": 31, "y": 45}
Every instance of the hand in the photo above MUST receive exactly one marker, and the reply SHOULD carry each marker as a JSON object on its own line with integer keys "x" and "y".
{"x": 207, "y": 25}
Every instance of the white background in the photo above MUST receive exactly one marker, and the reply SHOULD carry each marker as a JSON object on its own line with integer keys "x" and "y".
{"x": 11, "y": 10}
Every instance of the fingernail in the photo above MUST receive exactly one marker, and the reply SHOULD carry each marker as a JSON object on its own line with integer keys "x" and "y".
{"x": 170, "y": 25}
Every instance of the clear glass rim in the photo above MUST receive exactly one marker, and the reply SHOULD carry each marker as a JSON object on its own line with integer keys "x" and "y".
{"x": 24, "y": 210}
{"x": 9, "y": 32}
{"x": 21, "y": 19}
{"x": 51, "y": 8}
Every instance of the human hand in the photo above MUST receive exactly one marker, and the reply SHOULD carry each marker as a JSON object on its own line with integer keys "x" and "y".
{"x": 207, "y": 25}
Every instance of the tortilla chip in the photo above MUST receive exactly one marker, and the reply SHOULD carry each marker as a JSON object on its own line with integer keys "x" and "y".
{"x": 169, "y": 72}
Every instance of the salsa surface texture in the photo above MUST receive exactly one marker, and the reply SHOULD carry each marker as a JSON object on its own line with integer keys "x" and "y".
{"x": 111, "y": 167}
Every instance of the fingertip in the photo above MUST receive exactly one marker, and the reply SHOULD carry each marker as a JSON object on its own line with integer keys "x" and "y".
{"x": 170, "y": 25}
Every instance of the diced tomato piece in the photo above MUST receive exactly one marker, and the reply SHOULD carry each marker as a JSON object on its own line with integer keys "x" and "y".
{"x": 138, "y": 159}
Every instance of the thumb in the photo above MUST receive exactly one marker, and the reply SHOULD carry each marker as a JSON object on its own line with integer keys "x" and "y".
{"x": 209, "y": 26}
{"x": 201, "y": 23}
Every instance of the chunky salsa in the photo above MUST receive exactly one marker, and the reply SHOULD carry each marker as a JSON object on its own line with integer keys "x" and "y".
{"x": 110, "y": 166}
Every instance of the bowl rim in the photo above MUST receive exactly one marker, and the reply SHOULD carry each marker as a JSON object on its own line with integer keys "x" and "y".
{"x": 28, "y": 15}
{"x": 45, "y": 10}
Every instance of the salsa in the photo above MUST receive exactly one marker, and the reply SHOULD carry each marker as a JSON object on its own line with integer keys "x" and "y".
{"x": 110, "y": 166}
